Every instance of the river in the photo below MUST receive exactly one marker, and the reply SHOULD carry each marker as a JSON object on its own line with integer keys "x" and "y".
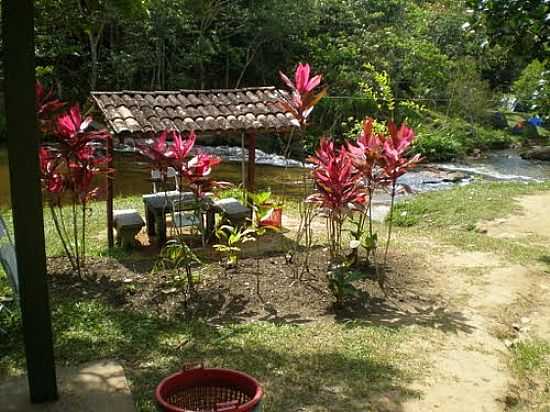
{"x": 132, "y": 171}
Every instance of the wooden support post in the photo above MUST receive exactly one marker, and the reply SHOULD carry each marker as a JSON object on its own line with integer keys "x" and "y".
{"x": 243, "y": 162}
{"x": 109, "y": 190}
{"x": 26, "y": 196}
{"x": 251, "y": 175}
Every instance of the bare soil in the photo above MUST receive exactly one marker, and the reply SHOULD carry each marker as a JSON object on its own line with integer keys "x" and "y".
{"x": 266, "y": 287}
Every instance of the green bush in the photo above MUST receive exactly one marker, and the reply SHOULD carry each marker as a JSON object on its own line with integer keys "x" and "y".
{"x": 443, "y": 138}
{"x": 438, "y": 144}
{"x": 533, "y": 88}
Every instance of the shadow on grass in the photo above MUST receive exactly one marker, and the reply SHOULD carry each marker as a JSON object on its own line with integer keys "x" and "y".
{"x": 384, "y": 312}
{"x": 545, "y": 259}
{"x": 326, "y": 368}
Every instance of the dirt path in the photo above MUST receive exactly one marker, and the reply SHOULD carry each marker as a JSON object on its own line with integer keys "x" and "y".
{"x": 486, "y": 295}
{"x": 470, "y": 367}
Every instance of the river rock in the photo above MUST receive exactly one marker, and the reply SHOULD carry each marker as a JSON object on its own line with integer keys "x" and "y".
{"x": 538, "y": 152}
{"x": 454, "y": 177}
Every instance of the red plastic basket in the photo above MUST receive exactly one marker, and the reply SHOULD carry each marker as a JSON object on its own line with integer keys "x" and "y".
{"x": 203, "y": 389}
{"x": 275, "y": 219}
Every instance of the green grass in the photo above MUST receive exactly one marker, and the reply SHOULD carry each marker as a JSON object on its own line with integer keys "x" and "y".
{"x": 451, "y": 216}
{"x": 322, "y": 366}
{"x": 531, "y": 364}
{"x": 96, "y": 229}
{"x": 532, "y": 357}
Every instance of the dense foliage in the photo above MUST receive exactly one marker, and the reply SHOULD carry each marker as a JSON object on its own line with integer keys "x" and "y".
{"x": 390, "y": 59}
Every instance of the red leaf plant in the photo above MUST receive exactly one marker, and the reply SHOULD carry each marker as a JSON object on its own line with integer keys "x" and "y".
{"x": 396, "y": 163}
{"x": 339, "y": 190}
{"x": 194, "y": 172}
{"x": 198, "y": 174}
{"x": 52, "y": 181}
{"x": 46, "y": 107}
{"x": 69, "y": 167}
{"x": 366, "y": 153}
{"x": 162, "y": 155}
{"x": 303, "y": 96}
{"x": 394, "y": 156}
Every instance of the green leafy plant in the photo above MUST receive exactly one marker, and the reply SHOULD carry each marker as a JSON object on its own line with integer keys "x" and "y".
{"x": 361, "y": 237}
{"x": 233, "y": 237}
{"x": 177, "y": 255}
{"x": 263, "y": 204}
{"x": 340, "y": 282}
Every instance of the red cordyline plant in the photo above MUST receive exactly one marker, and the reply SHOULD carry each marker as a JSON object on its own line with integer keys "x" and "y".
{"x": 338, "y": 189}
{"x": 346, "y": 179}
{"x": 395, "y": 163}
{"x": 303, "y": 95}
{"x": 194, "y": 172}
{"x": 69, "y": 167}
{"x": 304, "y": 92}
{"x": 47, "y": 106}
{"x": 366, "y": 153}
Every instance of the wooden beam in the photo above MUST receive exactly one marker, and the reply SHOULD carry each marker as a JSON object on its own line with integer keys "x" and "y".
{"x": 109, "y": 190}
{"x": 26, "y": 196}
{"x": 251, "y": 175}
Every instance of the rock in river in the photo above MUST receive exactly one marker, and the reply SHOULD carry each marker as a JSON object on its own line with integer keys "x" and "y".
{"x": 537, "y": 152}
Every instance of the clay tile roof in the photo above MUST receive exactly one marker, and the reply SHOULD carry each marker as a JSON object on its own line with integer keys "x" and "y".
{"x": 254, "y": 108}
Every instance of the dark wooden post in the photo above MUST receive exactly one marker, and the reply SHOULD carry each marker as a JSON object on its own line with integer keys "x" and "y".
{"x": 251, "y": 175}
{"x": 26, "y": 196}
{"x": 109, "y": 189}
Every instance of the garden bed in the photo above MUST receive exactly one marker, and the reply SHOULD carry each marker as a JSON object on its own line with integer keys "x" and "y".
{"x": 260, "y": 288}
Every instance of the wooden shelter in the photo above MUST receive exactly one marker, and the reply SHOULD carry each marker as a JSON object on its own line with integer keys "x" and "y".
{"x": 137, "y": 115}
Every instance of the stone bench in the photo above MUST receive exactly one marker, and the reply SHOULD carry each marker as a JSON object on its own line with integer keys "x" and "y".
{"x": 233, "y": 210}
{"x": 127, "y": 223}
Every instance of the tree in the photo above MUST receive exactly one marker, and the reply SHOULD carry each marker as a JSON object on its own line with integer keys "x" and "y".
{"x": 519, "y": 25}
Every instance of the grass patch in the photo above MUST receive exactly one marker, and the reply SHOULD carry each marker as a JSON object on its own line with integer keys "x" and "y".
{"x": 322, "y": 366}
{"x": 532, "y": 357}
{"x": 452, "y": 215}
{"x": 531, "y": 364}
{"x": 464, "y": 206}
{"x": 96, "y": 228}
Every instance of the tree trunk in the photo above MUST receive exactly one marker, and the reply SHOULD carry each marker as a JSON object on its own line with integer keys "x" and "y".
{"x": 94, "y": 46}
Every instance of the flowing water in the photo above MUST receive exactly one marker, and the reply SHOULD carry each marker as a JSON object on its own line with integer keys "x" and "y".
{"x": 132, "y": 172}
